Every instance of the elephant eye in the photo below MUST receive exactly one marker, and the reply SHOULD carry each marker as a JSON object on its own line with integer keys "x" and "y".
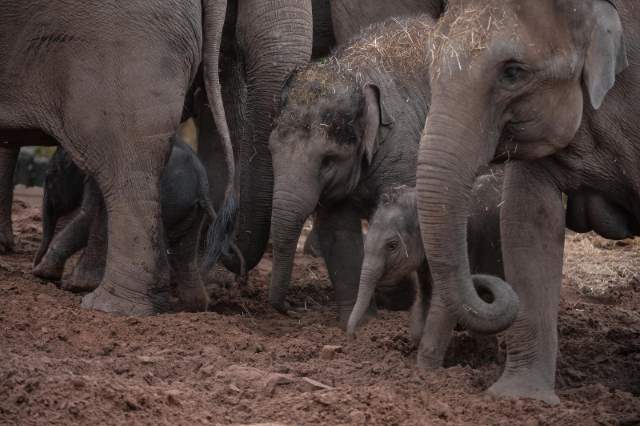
{"x": 513, "y": 73}
{"x": 392, "y": 245}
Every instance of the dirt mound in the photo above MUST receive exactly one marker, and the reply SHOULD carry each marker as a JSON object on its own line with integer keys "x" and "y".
{"x": 245, "y": 364}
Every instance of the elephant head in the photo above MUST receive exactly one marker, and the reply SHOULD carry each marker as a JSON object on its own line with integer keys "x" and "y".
{"x": 392, "y": 249}
{"x": 327, "y": 135}
{"x": 509, "y": 79}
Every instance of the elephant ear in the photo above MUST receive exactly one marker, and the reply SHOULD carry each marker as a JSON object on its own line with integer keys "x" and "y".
{"x": 606, "y": 56}
{"x": 376, "y": 122}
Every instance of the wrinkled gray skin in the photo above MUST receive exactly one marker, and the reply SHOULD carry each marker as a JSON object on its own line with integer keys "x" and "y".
{"x": 185, "y": 205}
{"x": 339, "y": 143}
{"x": 264, "y": 41}
{"x": 553, "y": 86}
{"x": 393, "y": 250}
{"x": 107, "y": 81}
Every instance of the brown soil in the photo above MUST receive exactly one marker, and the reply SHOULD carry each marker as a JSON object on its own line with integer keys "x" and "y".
{"x": 244, "y": 364}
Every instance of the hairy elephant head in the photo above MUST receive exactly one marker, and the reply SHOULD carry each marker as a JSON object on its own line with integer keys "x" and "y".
{"x": 509, "y": 79}
{"x": 326, "y": 137}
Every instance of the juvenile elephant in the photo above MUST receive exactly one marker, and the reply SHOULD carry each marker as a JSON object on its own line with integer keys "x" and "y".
{"x": 107, "y": 82}
{"x": 553, "y": 86}
{"x": 393, "y": 250}
{"x": 348, "y": 131}
{"x": 185, "y": 205}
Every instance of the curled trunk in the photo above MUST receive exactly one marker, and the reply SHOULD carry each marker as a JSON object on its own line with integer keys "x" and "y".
{"x": 450, "y": 153}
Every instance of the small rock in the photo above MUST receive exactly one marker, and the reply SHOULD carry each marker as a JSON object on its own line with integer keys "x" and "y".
{"x": 131, "y": 404}
{"x": 107, "y": 349}
{"x": 441, "y": 409}
{"x": 325, "y": 398}
{"x": 281, "y": 369}
{"x": 241, "y": 376}
{"x": 275, "y": 379}
{"x": 207, "y": 370}
{"x": 149, "y": 359}
{"x": 121, "y": 369}
{"x": 328, "y": 352}
{"x": 78, "y": 382}
{"x": 173, "y": 396}
{"x": 358, "y": 417}
{"x": 316, "y": 384}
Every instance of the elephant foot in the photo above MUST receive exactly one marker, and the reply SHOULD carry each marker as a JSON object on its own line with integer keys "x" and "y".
{"x": 48, "y": 268}
{"x": 524, "y": 385}
{"x": 135, "y": 305}
{"x": 193, "y": 297}
{"x": 7, "y": 243}
{"x": 83, "y": 280}
{"x": 430, "y": 359}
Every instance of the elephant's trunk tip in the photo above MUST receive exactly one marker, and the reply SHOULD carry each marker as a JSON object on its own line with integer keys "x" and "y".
{"x": 502, "y": 307}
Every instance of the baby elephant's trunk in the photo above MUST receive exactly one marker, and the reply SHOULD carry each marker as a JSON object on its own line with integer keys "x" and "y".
{"x": 372, "y": 271}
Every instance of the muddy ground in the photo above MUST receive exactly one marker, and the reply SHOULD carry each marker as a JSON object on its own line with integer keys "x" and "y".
{"x": 245, "y": 364}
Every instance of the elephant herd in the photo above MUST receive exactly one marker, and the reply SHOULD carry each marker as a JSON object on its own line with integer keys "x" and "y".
{"x": 468, "y": 133}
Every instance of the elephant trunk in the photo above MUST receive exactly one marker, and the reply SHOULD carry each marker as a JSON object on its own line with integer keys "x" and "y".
{"x": 276, "y": 38}
{"x": 372, "y": 271}
{"x": 290, "y": 210}
{"x": 451, "y": 152}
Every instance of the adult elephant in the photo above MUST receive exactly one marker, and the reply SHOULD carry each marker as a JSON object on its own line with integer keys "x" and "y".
{"x": 107, "y": 81}
{"x": 527, "y": 81}
{"x": 264, "y": 41}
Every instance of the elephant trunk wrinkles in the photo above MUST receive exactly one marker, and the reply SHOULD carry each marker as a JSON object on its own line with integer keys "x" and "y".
{"x": 451, "y": 151}
{"x": 289, "y": 214}
{"x": 274, "y": 50}
{"x": 372, "y": 271}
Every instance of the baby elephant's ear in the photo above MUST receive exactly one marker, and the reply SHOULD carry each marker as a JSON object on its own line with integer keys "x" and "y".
{"x": 286, "y": 86}
{"x": 376, "y": 122}
{"x": 606, "y": 55}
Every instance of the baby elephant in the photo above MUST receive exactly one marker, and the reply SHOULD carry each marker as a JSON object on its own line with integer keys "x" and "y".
{"x": 185, "y": 208}
{"x": 394, "y": 250}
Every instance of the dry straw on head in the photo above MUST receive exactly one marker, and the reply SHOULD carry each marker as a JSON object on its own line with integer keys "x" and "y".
{"x": 398, "y": 46}
{"x": 462, "y": 31}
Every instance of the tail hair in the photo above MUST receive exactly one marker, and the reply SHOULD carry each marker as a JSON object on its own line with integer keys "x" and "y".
{"x": 220, "y": 234}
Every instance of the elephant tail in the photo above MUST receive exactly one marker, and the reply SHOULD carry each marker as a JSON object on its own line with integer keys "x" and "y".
{"x": 219, "y": 235}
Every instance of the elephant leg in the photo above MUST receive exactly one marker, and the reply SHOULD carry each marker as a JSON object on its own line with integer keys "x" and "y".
{"x": 71, "y": 239}
{"x": 184, "y": 241}
{"x": 8, "y": 160}
{"x": 136, "y": 278}
{"x": 438, "y": 327}
{"x": 419, "y": 309}
{"x": 532, "y": 228}
{"x": 312, "y": 243}
{"x": 342, "y": 244}
{"x": 90, "y": 268}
